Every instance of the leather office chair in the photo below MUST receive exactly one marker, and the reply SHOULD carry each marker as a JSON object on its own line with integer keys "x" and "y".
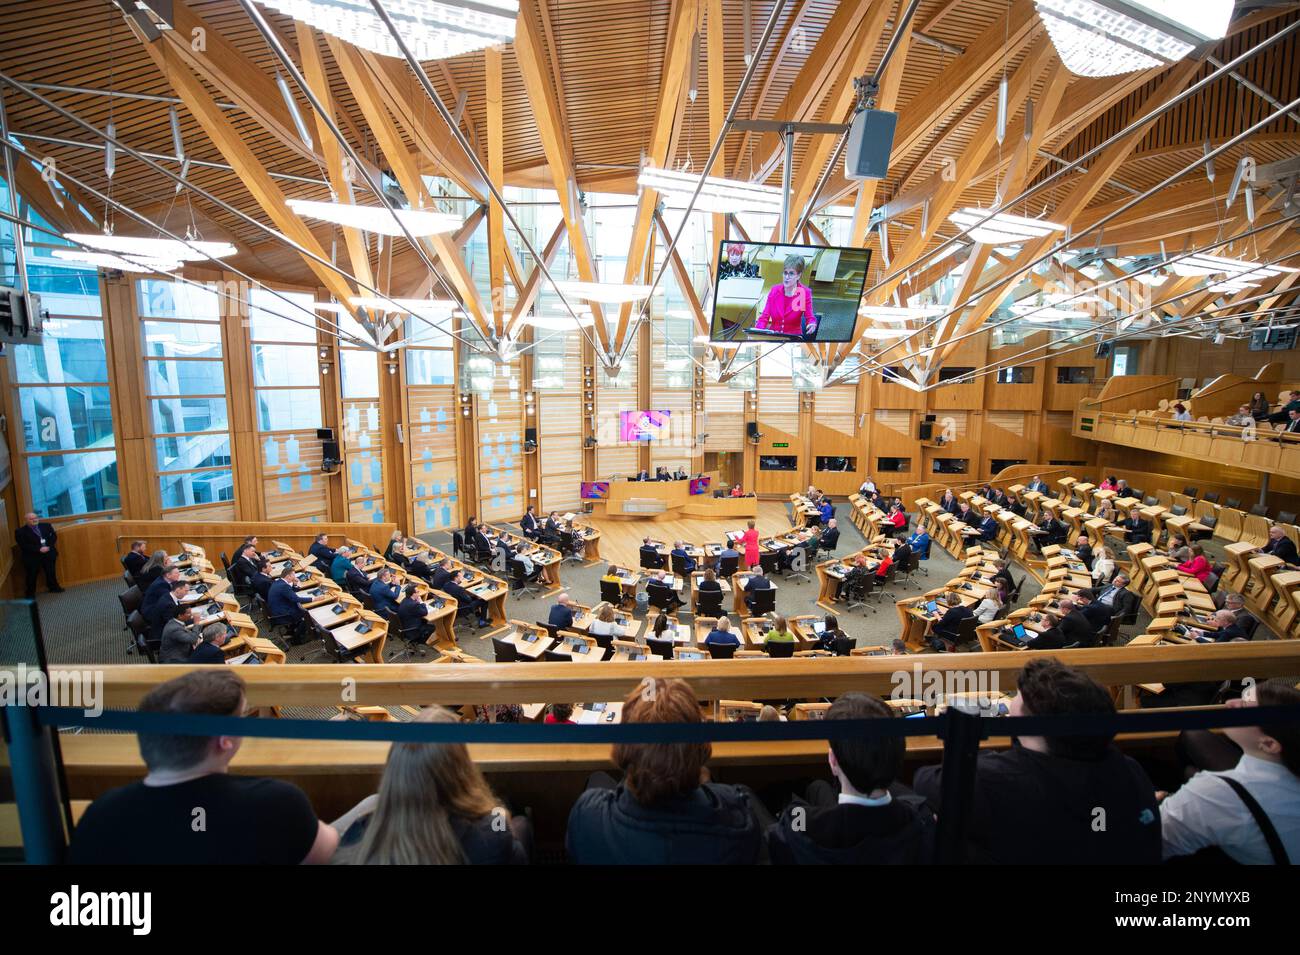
{"x": 504, "y": 651}
{"x": 721, "y": 651}
{"x": 661, "y": 648}
{"x": 763, "y": 601}
{"x": 778, "y": 649}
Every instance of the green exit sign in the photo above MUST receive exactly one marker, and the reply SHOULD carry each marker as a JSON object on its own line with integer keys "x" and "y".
{"x": 781, "y": 444}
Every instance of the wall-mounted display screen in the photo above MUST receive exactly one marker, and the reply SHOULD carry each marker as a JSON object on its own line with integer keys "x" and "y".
{"x": 787, "y": 293}
{"x": 700, "y": 485}
{"x": 595, "y": 490}
{"x": 642, "y": 425}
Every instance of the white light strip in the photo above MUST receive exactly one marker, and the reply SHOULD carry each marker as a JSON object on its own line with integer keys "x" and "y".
{"x": 890, "y": 313}
{"x": 1096, "y": 38}
{"x": 558, "y": 323}
{"x": 165, "y": 250}
{"x": 716, "y": 195}
{"x": 1002, "y": 228}
{"x": 607, "y": 293}
{"x": 418, "y": 222}
{"x": 103, "y": 260}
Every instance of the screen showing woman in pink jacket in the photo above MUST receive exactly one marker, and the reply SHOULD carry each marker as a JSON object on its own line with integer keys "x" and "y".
{"x": 789, "y": 307}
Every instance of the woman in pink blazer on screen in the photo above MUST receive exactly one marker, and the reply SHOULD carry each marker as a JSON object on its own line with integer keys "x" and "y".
{"x": 750, "y": 540}
{"x": 789, "y": 307}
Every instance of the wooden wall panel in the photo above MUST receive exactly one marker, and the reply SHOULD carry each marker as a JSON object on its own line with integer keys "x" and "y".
{"x": 560, "y": 439}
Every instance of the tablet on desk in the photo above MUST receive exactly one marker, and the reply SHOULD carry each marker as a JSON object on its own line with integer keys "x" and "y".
{"x": 1018, "y": 631}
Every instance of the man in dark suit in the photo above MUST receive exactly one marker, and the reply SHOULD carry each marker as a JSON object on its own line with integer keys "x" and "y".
{"x": 967, "y": 515}
{"x": 1279, "y": 545}
{"x": 528, "y": 524}
{"x": 411, "y": 613}
{"x": 1136, "y": 529}
{"x": 465, "y": 600}
{"x": 1075, "y": 627}
{"x": 679, "y": 475}
{"x": 479, "y": 542}
{"x": 159, "y": 589}
{"x": 442, "y": 574}
{"x": 247, "y": 563}
{"x": 902, "y": 555}
{"x": 36, "y": 543}
{"x": 1119, "y": 598}
{"x": 135, "y": 559}
{"x": 261, "y": 584}
{"x": 989, "y": 529}
{"x": 650, "y": 556}
{"x": 561, "y": 613}
{"x": 551, "y": 531}
{"x": 282, "y": 601}
{"x": 1284, "y": 414}
{"x": 1038, "y": 484}
{"x": 323, "y": 552}
{"x": 166, "y": 607}
{"x": 384, "y": 593}
{"x": 1050, "y": 638}
{"x": 755, "y": 583}
{"x": 947, "y": 629}
{"x": 661, "y": 474}
{"x": 256, "y": 557}
{"x": 661, "y": 593}
{"x": 1228, "y": 629}
{"x": 1097, "y": 614}
{"x": 1243, "y": 617}
{"x": 686, "y": 561}
{"x": 830, "y": 536}
{"x": 642, "y": 476}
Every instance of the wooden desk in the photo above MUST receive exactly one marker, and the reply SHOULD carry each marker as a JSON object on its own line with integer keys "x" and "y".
{"x": 738, "y": 592}
{"x": 373, "y": 640}
{"x": 529, "y": 641}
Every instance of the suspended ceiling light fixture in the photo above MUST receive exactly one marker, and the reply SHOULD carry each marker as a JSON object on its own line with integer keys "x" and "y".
{"x": 1003, "y": 228}
{"x": 1046, "y": 313}
{"x": 883, "y": 334}
{"x": 103, "y": 260}
{"x": 433, "y": 29}
{"x": 159, "y": 250}
{"x": 1110, "y": 37}
{"x": 410, "y": 306}
{"x": 716, "y": 195}
{"x": 1197, "y": 265}
{"x": 418, "y": 222}
{"x": 891, "y": 313}
{"x": 558, "y": 323}
{"x": 607, "y": 293}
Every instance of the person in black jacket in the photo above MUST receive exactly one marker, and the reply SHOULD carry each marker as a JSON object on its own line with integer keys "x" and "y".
{"x": 36, "y": 544}
{"x": 159, "y": 589}
{"x": 1136, "y": 529}
{"x": 1097, "y": 614}
{"x": 528, "y": 524}
{"x": 465, "y": 600}
{"x": 1279, "y": 545}
{"x": 650, "y": 556}
{"x": 135, "y": 560}
{"x": 663, "y": 811}
{"x": 1120, "y": 599}
{"x": 861, "y": 821}
{"x": 1067, "y": 800}
{"x": 1075, "y": 627}
{"x": 947, "y": 629}
{"x": 1050, "y": 637}
{"x": 411, "y": 613}
{"x": 435, "y": 808}
{"x": 323, "y": 552}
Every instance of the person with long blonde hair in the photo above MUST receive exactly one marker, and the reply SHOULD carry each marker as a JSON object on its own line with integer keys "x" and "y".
{"x": 434, "y": 808}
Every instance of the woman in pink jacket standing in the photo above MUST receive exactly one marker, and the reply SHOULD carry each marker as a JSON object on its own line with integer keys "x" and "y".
{"x": 750, "y": 540}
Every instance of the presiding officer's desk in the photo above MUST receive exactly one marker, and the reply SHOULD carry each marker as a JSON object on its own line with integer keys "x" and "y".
{"x": 671, "y": 500}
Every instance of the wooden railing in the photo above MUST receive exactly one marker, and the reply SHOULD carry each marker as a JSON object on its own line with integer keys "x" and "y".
{"x": 1132, "y": 392}
{"x": 1255, "y": 450}
{"x": 92, "y": 551}
{"x": 748, "y": 679}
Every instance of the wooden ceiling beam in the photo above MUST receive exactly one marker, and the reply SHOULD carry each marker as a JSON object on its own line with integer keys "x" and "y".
{"x": 532, "y": 285}
{"x": 1102, "y": 167}
{"x": 682, "y": 26}
{"x": 532, "y": 59}
{"x": 264, "y": 190}
{"x": 356, "y": 66}
{"x": 683, "y": 276}
{"x": 497, "y": 251}
{"x": 314, "y": 72}
{"x": 765, "y": 85}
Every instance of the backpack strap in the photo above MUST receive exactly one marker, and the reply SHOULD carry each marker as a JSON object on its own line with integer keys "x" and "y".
{"x": 1261, "y": 819}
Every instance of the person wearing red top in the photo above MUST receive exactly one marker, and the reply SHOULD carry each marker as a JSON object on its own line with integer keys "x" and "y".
{"x": 789, "y": 306}
{"x": 1108, "y": 485}
{"x": 882, "y": 571}
{"x": 750, "y": 540}
{"x": 898, "y": 518}
{"x": 1198, "y": 566}
{"x": 737, "y": 491}
{"x": 559, "y": 713}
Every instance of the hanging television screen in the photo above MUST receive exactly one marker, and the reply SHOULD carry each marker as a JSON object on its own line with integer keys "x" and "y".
{"x": 595, "y": 490}
{"x": 700, "y": 485}
{"x": 643, "y": 425}
{"x": 766, "y": 292}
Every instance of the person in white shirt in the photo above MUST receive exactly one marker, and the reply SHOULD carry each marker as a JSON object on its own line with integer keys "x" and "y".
{"x": 1207, "y": 812}
{"x": 988, "y": 608}
{"x": 1103, "y": 566}
{"x": 605, "y": 623}
{"x": 1181, "y": 413}
{"x": 868, "y": 487}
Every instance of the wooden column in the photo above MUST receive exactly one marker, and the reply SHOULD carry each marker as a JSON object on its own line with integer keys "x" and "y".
{"x": 137, "y": 474}
{"x": 245, "y": 448}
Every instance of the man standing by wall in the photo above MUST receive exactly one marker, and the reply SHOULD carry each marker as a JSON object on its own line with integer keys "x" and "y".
{"x": 36, "y": 543}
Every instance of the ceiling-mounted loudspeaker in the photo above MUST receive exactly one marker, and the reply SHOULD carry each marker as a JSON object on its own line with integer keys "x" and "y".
{"x": 1220, "y": 339}
{"x": 871, "y": 139}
